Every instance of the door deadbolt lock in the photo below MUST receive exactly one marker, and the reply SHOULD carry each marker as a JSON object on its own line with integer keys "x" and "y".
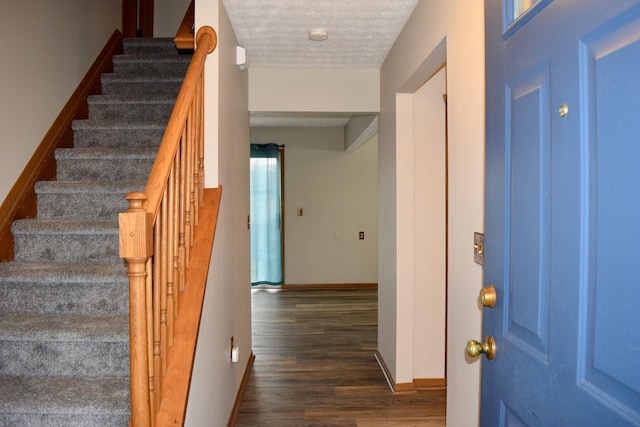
{"x": 563, "y": 110}
{"x": 488, "y": 348}
{"x": 488, "y": 296}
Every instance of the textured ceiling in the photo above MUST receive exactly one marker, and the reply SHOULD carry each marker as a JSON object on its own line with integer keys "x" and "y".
{"x": 275, "y": 33}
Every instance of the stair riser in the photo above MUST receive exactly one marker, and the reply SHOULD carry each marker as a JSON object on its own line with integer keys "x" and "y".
{"x": 149, "y": 46}
{"x": 81, "y": 206}
{"x": 160, "y": 111}
{"x": 117, "y": 138}
{"x": 138, "y": 67}
{"x": 146, "y": 89}
{"x": 66, "y": 247}
{"x": 64, "y": 358}
{"x": 66, "y": 420}
{"x": 101, "y": 298}
{"x": 98, "y": 170}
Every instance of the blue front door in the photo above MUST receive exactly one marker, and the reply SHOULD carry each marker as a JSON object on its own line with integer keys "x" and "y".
{"x": 562, "y": 215}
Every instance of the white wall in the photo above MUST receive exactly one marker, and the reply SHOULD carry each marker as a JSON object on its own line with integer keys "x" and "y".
{"x": 420, "y": 235}
{"x": 167, "y": 16}
{"x": 429, "y": 228}
{"x": 313, "y": 89}
{"x": 227, "y": 304}
{"x": 338, "y": 193}
{"x": 438, "y": 31}
{"x": 47, "y": 48}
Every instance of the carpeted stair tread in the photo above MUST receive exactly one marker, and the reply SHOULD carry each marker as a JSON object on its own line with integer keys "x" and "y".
{"x": 131, "y": 107}
{"x": 105, "y": 153}
{"x": 150, "y": 64}
{"x": 118, "y": 133}
{"x": 82, "y": 205}
{"x": 64, "y": 344}
{"x": 80, "y": 187}
{"x": 63, "y": 240}
{"x": 63, "y": 226}
{"x": 95, "y": 272}
{"x": 104, "y": 164}
{"x": 111, "y": 125}
{"x": 145, "y": 45}
{"x": 143, "y": 79}
{"x": 52, "y": 327}
{"x": 64, "y": 288}
{"x": 83, "y": 199}
{"x": 123, "y": 99}
{"x": 64, "y": 396}
{"x": 142, "y": 85}
{"x": 153, "y": 57}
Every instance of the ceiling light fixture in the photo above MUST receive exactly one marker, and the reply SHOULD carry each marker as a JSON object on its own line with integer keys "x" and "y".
{"x": 318, "y": 34}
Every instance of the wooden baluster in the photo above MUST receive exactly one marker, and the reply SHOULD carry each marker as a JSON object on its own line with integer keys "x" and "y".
{"x": 195, "y": 192}
{"x": 200, "y": 115}
{"x": 183, "y": 203}
{"x": 164, "y": 267}
{"x": 154, "y": 398}
{"x": 193, "y": 170}
{"x": 176, "y": 207}
{"x": 157, "y": 345}
{"x": 171, "y": 303}
{"x": 192, "y": 140}
{"x": 136, "y": 247}
{"x": 186, "y": 196}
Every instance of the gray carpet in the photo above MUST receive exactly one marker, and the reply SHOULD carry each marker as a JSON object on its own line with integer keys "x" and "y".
{"x": 64, "y": 325}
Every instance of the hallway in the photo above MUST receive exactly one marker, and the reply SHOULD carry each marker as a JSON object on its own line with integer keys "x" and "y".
{"x": 315, "y": 365}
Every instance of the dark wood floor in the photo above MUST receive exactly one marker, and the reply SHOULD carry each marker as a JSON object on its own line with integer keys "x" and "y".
{"x": 315, "y": 365}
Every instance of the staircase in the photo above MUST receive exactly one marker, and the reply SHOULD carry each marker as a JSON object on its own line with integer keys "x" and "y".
{"x": 64, "y": 325}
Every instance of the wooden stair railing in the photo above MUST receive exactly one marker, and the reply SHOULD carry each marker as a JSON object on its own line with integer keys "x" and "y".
{"x": 184, "y": 36}
{"x": 156, "y": 234}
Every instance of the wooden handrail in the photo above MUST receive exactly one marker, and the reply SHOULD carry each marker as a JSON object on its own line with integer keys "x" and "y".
{"x": 184, "y": 36}
{"x": 156, "y": 235}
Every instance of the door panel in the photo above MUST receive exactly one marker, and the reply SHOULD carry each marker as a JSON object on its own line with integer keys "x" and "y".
{"x": 612, "y": 222}
{"x": 563, "y": 214}
{"x": 527, "y": 190}
{"x": 508, "y": 418}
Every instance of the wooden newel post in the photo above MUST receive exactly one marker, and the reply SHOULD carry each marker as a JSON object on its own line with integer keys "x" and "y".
{"x": 136, "y": 247}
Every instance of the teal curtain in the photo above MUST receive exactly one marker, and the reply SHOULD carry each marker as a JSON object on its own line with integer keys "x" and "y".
{"x": 266, "y": 249}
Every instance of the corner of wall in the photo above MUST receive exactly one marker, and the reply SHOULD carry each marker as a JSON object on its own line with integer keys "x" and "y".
{"x": 227, "y": 310}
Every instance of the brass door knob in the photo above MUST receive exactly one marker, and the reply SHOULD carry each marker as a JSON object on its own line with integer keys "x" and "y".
{"x": 488, "y": 296}
{"x": 475, "y": 348}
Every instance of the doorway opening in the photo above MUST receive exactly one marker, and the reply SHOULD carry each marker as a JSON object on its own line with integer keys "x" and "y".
{"x": 422, "y": 187}
{"x": 266, "y": 218}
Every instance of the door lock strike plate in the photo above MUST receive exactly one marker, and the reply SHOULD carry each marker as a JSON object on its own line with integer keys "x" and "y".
{"x": 478, "y": 248}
